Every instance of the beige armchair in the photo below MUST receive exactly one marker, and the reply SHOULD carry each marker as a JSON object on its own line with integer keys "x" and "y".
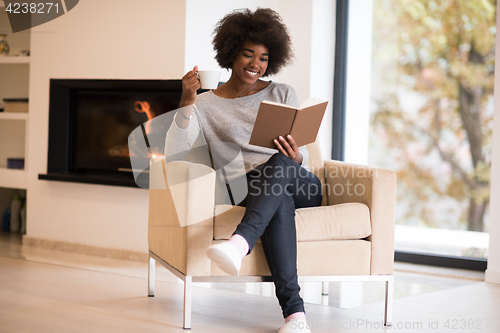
{"x": 349, "y": 238}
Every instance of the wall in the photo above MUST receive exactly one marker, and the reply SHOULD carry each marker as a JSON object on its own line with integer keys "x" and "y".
{"x": 97, "y": 39}
{"x": 160, "y": 39}
{"x": 358, "y": 95}
{"x": 322, "y": 65}
{"x": 493, "y": 271}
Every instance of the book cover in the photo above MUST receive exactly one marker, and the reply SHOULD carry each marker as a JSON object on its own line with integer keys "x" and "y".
{"x": 275, "y": 119}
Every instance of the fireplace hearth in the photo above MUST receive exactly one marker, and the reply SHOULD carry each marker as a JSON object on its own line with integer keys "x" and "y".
{"x": 90, "y": 122}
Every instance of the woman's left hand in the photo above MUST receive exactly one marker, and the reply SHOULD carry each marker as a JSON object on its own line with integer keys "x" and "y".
{"x": 289, "y": 148}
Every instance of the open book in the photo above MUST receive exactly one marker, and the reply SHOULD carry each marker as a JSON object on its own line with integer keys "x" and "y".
{"x": 275, "y": 119}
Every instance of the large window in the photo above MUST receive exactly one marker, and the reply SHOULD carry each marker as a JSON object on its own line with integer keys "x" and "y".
{"x": 431, "y": 118}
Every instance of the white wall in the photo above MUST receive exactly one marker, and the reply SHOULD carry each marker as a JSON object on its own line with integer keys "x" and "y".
{"x": 297, "y": 16}
{"x": 97, "y": 39}
{"x": 358, "y": 81}
{"x": 160, "y": 39}
{"x": 493, "y": 271}
{"x": 322, "y": 65}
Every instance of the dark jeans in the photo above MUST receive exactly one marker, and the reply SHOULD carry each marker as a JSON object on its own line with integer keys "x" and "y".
{"x": 275, "y": 190}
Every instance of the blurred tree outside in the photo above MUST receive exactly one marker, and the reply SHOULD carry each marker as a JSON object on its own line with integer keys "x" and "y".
{"x": 432, "y": 107}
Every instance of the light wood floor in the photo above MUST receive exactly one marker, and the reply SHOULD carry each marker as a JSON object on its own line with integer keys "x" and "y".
{"x": 45, "y": 291}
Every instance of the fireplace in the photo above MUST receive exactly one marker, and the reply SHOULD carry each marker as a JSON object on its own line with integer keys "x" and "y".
{"x": 90, "y": 122}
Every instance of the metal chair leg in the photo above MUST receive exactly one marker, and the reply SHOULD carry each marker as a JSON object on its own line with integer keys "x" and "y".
{"x": 325, "y": 288}
{"x": 151, "y": 277}
{"x": 188, "y": 281}
{"x": 389, "y": 297}
{"x": 325, "y": 299}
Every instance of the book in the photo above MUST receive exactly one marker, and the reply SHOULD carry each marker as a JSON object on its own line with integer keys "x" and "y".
{"x": 16, "y": 105}
{"x": 275, "y": 119}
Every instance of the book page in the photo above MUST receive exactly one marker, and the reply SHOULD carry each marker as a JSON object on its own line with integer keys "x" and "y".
{"x": 311, "y": 101}
{"x": 279, "y": 104}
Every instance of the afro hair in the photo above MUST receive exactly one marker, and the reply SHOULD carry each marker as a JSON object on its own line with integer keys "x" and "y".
{"x": 264, "y": 26}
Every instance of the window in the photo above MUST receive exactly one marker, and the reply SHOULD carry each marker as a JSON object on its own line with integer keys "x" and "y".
{"x": 431, "y": 119}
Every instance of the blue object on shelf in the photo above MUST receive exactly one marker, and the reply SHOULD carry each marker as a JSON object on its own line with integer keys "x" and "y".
{"x": 15, "y": 163}
{"x": 6, "y": 220}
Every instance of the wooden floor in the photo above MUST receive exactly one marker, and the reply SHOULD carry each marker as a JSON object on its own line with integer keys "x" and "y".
{"x": 44, "y": 291}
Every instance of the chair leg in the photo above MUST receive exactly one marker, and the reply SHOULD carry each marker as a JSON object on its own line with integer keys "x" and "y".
{"x": 389, "y": 297}
{"x": 325, "y": 288}
{"x": 151, "y": 277}
{"x": 188, "y": 280}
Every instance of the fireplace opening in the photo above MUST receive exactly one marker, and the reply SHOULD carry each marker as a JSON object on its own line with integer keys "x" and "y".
{"x": 90, "y": 122}
{"x": 104, "y": 121}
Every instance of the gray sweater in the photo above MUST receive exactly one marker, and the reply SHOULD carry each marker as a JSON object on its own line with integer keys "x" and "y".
{"x": 227, "y": 125}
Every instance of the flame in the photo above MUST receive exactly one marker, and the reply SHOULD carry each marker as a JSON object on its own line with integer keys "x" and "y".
{"x": 144, "y": 107}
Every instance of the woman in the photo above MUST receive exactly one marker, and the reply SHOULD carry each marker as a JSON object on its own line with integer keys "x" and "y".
{"x": 253, "y": 45}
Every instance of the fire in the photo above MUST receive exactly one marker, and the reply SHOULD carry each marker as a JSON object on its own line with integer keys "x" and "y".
{"x": 144, "y": 107}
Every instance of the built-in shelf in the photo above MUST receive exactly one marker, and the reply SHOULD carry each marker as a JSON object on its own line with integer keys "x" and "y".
{"x": 15, "y": 60}
{"x": 125, "y": 179}
{"x": 13, "y": 178}
{"x": 14, "y": 116}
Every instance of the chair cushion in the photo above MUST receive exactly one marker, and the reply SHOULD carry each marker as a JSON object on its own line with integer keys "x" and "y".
{"x": 334, "y": 257}
{"x": 342, "y": 221}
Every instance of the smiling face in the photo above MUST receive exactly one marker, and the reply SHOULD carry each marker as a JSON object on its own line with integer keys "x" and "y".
{"x": 251, "y": 62}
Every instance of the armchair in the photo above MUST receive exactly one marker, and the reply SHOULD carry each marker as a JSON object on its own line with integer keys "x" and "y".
{"x": 349, "y": 238}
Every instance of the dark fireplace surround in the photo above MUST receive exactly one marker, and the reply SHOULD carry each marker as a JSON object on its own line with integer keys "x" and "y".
{"x": 90, "y": 122}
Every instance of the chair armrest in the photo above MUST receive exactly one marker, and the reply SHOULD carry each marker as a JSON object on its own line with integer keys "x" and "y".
{"x": 375, "y": 187}
{"x": 181, "y": 209}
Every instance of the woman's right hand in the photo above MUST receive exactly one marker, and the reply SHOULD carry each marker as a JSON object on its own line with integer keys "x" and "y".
{"x": 190, "y": 84}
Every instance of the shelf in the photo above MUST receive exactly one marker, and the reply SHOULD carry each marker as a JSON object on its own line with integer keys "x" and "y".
{"x": 13, "y": 178}
{"x": 15, "y": 60}
{"x": 121, "y": 179}
{"x": 14, "y": 116}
